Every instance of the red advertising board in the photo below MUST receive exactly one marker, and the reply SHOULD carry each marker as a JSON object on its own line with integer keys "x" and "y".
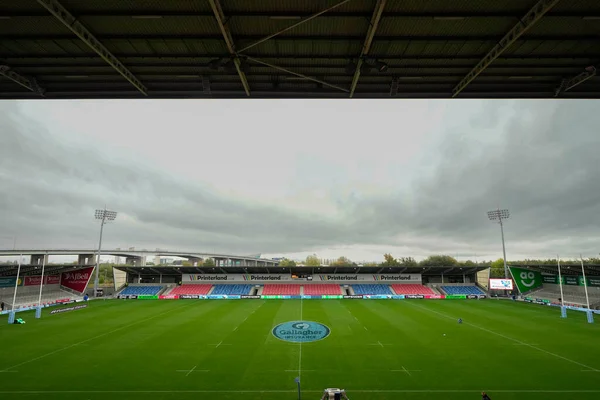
{"x": 77, "y": 280}
{"x": 35, "y": 280}
{"x": 435, "y": 296}
{"x": 169, "y": 297}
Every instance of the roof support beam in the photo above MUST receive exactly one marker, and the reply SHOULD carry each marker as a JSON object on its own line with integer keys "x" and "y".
{"x": 592, "y": 37}
{"x": 294, "y": 25}
{"x": 27, "y": 83}
{"x": 69, "y": 21}
{"x": 532, "y": 16}
{"x": 567, "y": 84}
{"x": 296, "y": 74}
{"x": 220, "y": 17}
{"x": 565, "y": 60}
{"x": 375, "y": 18}
{"x": 394, "y": 87}
{"x": 283, "y": 15}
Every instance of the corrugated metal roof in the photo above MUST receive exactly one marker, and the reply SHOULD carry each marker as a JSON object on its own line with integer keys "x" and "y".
{"x": 429, "y": 46}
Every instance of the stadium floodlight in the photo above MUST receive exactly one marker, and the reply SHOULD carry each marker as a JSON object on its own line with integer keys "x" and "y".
{"x": 500, "y": 215}
{"x": 105, "y": 216}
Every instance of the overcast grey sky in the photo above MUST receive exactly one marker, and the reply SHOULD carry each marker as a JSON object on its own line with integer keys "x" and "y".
{"x": 353, "y": 178}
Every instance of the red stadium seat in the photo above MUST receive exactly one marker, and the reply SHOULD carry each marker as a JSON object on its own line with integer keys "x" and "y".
{"x": 412, "y": 289}
{"x": 192, "y": 289}
{"x": 317, "y": 290}
{"x": 289, "y": 290}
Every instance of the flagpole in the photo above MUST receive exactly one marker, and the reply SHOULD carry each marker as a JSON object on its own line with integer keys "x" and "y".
{"x": 17, "y": 283}
{"x": 587, "y": 299}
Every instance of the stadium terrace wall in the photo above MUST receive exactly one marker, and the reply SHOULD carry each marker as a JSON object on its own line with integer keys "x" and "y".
{"x": 287, "y": 278}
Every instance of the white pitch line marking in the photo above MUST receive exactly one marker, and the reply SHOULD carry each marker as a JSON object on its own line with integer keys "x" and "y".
{"x": 295, "y": 370}
{"x": 509, "y": 338}
{"x": 189, "y": 371}
{"x": 365, "y": 328}
{"x": 406, "y": 370}
{"x": 379, "y": 344}
{"x": 235, "y": 329}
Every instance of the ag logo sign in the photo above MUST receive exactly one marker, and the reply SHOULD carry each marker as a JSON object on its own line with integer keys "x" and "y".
{"x": 301, "y": 331}
{"x": 527, "y": 278}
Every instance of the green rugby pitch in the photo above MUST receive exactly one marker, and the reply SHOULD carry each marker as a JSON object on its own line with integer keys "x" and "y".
{"x": 377, "y": 350}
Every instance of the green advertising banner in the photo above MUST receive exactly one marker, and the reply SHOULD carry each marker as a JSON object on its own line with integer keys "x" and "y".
{"x": 593, "y": 280}
{"x": 10, "y": 282}
{"x": 550, "y": 279}
{"x": 147, "y": 297}
{"x": 525, "y": 279}
{"x": 571, "y": 280}
{"x": 456, "y": 296}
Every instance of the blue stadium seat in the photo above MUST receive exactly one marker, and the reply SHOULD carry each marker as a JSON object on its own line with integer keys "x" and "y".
{"x": 371, "y": 289}
{"x": 141, "y": 290}
{"x": 231, "y": 289}
{"x": 454, "y": 290}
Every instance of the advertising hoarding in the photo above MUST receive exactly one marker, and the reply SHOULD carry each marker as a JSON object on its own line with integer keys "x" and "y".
{"x": 501, "y": 284}
{"x": 10, "y": 282}
{"x": 525, "y": 279}
{"x": 35, "y": 280}
{"x": 77, "y": 280}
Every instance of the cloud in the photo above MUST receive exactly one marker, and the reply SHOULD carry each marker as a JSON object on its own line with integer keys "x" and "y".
{"x": 350, "y": 178}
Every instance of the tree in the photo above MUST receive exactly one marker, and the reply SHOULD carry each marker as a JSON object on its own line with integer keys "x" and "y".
{"x": 186, "y": 263}
{"x": 287, "y": 263}
{"x": 312, "y": 261}
{"x": 497, "y": 269}
{"x": 408, "y": 262}
{"x": 390, "y": 261}
{"x": 439, "y": 261}
{"x": 341, "y": 262}
{"x": 209, "y": 262}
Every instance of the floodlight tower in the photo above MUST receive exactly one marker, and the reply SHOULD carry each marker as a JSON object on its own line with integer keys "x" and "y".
{"x": 105, "y": 216}
{"x": 499, "y": 215}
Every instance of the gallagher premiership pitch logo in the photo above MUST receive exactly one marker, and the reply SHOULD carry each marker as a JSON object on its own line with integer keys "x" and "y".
{"x": 301, "y": 331}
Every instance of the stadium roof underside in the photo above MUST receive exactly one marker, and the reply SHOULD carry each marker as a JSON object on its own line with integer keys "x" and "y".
{"x": 299, "y": 49}
{"x": 168, "y": 270}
